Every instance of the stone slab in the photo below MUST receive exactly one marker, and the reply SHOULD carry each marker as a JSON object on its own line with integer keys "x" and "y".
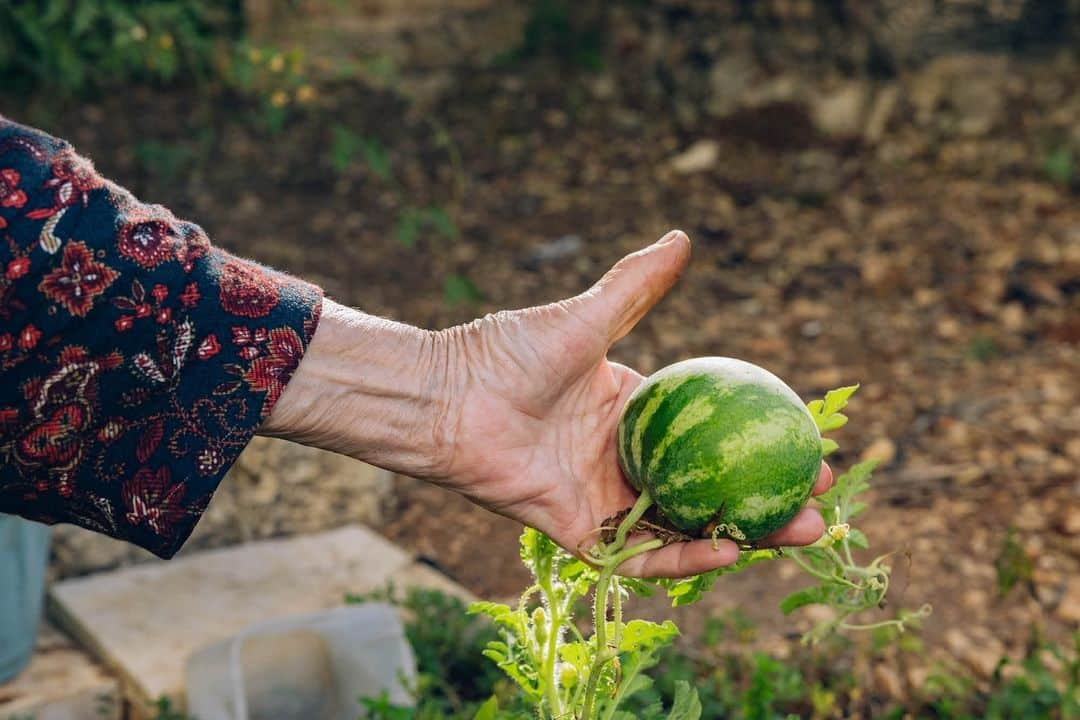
{"x": 144, "y": 621}
{"x": 62, "y": 682}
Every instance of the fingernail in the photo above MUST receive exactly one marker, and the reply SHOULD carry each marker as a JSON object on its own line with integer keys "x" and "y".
{"x": 671, "y": 237}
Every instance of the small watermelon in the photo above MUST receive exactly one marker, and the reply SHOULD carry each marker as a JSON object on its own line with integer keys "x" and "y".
{"x": 722, "y": 445}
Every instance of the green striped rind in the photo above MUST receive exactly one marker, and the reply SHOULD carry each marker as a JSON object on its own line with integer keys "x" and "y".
{"x": 713, "y": 434}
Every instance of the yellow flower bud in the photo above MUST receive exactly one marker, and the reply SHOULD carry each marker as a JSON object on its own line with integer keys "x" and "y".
{"x": 305, "y": 94}
{"x": 839, "y": 532}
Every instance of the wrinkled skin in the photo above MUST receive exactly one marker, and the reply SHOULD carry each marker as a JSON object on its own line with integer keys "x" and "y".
{"x": 517, "y": 410}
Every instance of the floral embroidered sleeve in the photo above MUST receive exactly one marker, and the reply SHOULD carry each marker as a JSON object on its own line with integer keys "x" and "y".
{"x": 136, "y": 361}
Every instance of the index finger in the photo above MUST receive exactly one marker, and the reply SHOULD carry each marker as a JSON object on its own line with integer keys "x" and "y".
{"x": 824, "y": 480}
{"x": 680, "y": 559}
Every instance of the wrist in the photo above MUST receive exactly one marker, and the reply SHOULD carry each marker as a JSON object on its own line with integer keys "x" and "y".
{"x": 373, "y": 389}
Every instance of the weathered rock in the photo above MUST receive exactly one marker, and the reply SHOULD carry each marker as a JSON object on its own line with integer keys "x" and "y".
{"x": 979, "y": 650}
{"x": 1070, "y": 519}
{"x": 883, "y": 450}
{"x": 966, "y": 93}
{"x": 917, "y": 675}
{"x": 881, "y": 111}
{"x": 817, "y": 175}
{"x": 888, "y": 681}
{"x": 729, "y": 79}
{"x": 1031, "y": 517}
{"x": 839, "y": 113}
{"x": 975, "y": 600}
{"x": 1068, "y": 608}
{"x": 563, "y": 247}
{"x": 699, "y": 157}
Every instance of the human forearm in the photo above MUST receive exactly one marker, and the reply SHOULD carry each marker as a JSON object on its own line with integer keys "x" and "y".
{"x": 373, "y": 389}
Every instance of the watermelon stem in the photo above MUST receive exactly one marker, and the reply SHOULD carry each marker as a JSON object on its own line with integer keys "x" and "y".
{"x": 643, "y": 503}
{"x": 609, "y": 557}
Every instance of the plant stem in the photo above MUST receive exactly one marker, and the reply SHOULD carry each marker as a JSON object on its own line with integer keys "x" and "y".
{"x": 613, "y": 555}
{"x": 616, "y": 612}
{"x": 554, "y": 631}
{"x": 643, "y": 503}
{"x": 847, "y": 552}
{"x": 794, "y": 555}
{"x": 600, "y": 630}
{"x": 872, "y": 626}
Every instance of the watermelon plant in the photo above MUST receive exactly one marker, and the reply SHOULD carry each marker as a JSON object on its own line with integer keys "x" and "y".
{"x": 717, "y": 448}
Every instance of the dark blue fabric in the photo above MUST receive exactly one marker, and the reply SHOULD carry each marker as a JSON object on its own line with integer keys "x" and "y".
{"x": 136, "y": 360}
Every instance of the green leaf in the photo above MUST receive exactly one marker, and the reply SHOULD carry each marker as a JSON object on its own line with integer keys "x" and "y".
{"x": 836, "y": 400}
{"x": 687, "y": 705}
{"x": 575, "y": 569}
{"x": 579, "y": 576}
{"x": 856, "y": 538}
{"x": 578, "y": 655}
{"x": 460, "y": 290}
{"x": 407, "y": 227}
{"x": 815, "y": 595}
{"x": 833, "y": 422}
{"x": 495, "y": 611}
{"x": 441, "y": 222}
{"x": 535, "y": 546}
{"x": 639, "y": 683}
{"x": 379, "y": 707}
{"x": 344, "y": 145}
{"x": 687, "y": 591}
{"x": 846, "y": 487}
{"x": 828, "y": 446}
{"x": 375, "y": 157}
{"x": 638, "y": 635}
{"x": 488, "y": 710}
{"x": 641, "y": 588}
{"x": 1060, "y": 166}
{"x": 382, "y": 67}
{"x": 84, "y": 16}
{"x": 826, "y": 413}
{"x": 633, "y": 681}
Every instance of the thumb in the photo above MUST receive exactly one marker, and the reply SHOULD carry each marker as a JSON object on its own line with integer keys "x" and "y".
{"x": 636, "y": 283}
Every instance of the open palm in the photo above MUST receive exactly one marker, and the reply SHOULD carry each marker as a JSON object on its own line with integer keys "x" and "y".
{"x": 534, "y": 437}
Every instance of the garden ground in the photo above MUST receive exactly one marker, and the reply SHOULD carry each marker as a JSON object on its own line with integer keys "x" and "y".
{"x": 918, "y": 233}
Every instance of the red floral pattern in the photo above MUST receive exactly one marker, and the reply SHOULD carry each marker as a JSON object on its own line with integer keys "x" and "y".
{"x": 269, "y": 373}
{"x": 146, "y": 240}
{"x": 10, "y": 194}
{"x": 122, "y": 401}
{"x": 78, "y": 280}
{"x": 152, "y": 499}
{"x": 247, "y": 291}
{"x": 73, "y": 177}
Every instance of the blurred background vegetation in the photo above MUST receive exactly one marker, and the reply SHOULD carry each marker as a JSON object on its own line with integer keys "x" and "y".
{"x": 884, "y": 191}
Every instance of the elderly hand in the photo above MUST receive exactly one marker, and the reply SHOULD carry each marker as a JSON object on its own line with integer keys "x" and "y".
{"x": 517, "y": 410}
